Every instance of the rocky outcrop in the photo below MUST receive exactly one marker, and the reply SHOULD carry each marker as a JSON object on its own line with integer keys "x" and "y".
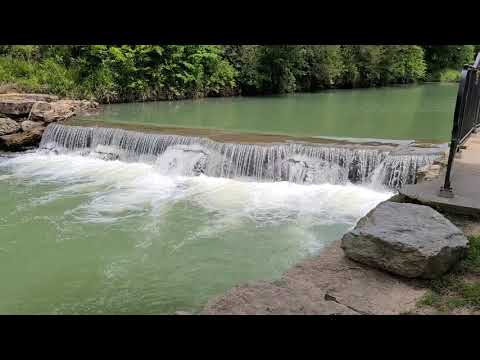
{"x": 406, "y": 239}
{"x": 21, "y": 140}
{"x": 15, "y": 107}
{"x": 25, "y": 115}
{"x": 8, "y": 126}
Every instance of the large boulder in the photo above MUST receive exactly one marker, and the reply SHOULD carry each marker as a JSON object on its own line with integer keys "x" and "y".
{"x": 8, "y": 126}
{"x": 21, "y": 140}
{"x": 406, "y": 239}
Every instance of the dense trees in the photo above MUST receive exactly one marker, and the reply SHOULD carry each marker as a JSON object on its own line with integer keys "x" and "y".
{"x": 441, "y": 59}
{"x": 119, "y": 73}
{"x": 148, "y": 72}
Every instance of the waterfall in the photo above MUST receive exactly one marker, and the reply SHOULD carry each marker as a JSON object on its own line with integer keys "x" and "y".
{"x": 294, "y": 162}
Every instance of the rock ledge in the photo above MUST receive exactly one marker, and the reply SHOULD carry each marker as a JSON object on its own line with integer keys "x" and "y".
{"x": 23, "y": 117}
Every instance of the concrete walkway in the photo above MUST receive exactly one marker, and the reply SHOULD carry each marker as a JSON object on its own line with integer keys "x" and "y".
{"x": 465, "y": 181}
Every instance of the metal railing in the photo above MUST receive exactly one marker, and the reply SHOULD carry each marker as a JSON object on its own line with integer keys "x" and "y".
{"x": 466, "y": 118}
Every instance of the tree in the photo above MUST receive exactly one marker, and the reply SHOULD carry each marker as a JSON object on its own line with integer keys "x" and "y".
{"x": 321, "y": 67}
{"x": 403, "y": 64}
{"x": 448, "y": 57}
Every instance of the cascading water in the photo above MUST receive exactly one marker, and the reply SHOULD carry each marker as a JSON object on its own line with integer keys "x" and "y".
{"x": 293, "y": 162}
{"x": 146, "y": 235}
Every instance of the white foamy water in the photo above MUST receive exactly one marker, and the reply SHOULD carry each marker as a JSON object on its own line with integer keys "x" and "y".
{"x": 111, "y": 236}
{"x": 300, "y": 163}
{"x": 117, "y": 187}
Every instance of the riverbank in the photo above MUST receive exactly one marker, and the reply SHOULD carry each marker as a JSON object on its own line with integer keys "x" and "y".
{"x": 382, "y": 286}
{"x": 329, "y": 284}
{"x": 332, "y": 284}
{"x": 24, "y": 117}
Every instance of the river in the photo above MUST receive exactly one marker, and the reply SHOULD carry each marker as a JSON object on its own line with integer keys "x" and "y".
{"x": 419, "y": 112}
{"x": 82, "y": 233}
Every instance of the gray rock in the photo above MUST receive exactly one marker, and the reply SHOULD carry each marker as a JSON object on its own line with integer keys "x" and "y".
{"x": 406, "y": 239}
{"x": 28, "y": 125}
{"x": 8, "y": 126}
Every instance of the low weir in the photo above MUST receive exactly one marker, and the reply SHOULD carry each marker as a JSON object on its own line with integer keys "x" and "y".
{"x": 303, "y": 163}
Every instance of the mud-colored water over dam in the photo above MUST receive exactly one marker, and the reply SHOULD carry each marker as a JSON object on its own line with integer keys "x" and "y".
{"x": 103, "y": 220}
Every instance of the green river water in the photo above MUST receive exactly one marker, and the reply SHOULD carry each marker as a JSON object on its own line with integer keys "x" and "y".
{"x": 81, "y": 235}
{"x": 422, "y": 112}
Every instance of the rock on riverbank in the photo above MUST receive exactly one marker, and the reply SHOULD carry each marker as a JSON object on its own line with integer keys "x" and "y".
{"x": 23, "y": 117}
{"x": 406, "y": 239}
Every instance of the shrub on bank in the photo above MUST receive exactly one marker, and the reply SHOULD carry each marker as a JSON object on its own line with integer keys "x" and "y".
{"x": 46, "y": 76}
{"x": 449, "y": 75}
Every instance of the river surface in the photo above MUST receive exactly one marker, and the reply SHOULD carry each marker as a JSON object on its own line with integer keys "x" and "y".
{"x": 84, "y": 235}
{"x": 419, "y": 112}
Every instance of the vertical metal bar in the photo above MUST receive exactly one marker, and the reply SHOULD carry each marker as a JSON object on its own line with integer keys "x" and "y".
{"x": 446, "y": 190}
{"x": 477, "y": 97}
{"x": 463, "y": 108}
{"x": 476, "y": 64}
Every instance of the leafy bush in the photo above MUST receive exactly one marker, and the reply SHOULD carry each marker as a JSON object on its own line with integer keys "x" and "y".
{"x": 449, "y": 75}
{"x": 43, "y": 76}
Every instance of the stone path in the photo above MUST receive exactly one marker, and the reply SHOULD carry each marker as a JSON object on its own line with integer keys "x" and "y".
{"x": 465, "y": 180}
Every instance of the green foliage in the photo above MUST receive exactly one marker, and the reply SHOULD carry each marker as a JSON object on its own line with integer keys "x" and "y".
{"x": 43, "y": 76}
{"x": 403, "y": 64}
{"x": 448, "y": 57}
{"x": 448, "y": 75}
{"x": 452, "y": 290}
{"x": 119, "y": 73}
{"x": 472, "y": 263}
{"x": 370, "y": 65}
{"x": 321, "y": 67}
{"x": 245, "y": 60}
{"x": 277, "y": 68}
{"x": 143, "y": 72}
